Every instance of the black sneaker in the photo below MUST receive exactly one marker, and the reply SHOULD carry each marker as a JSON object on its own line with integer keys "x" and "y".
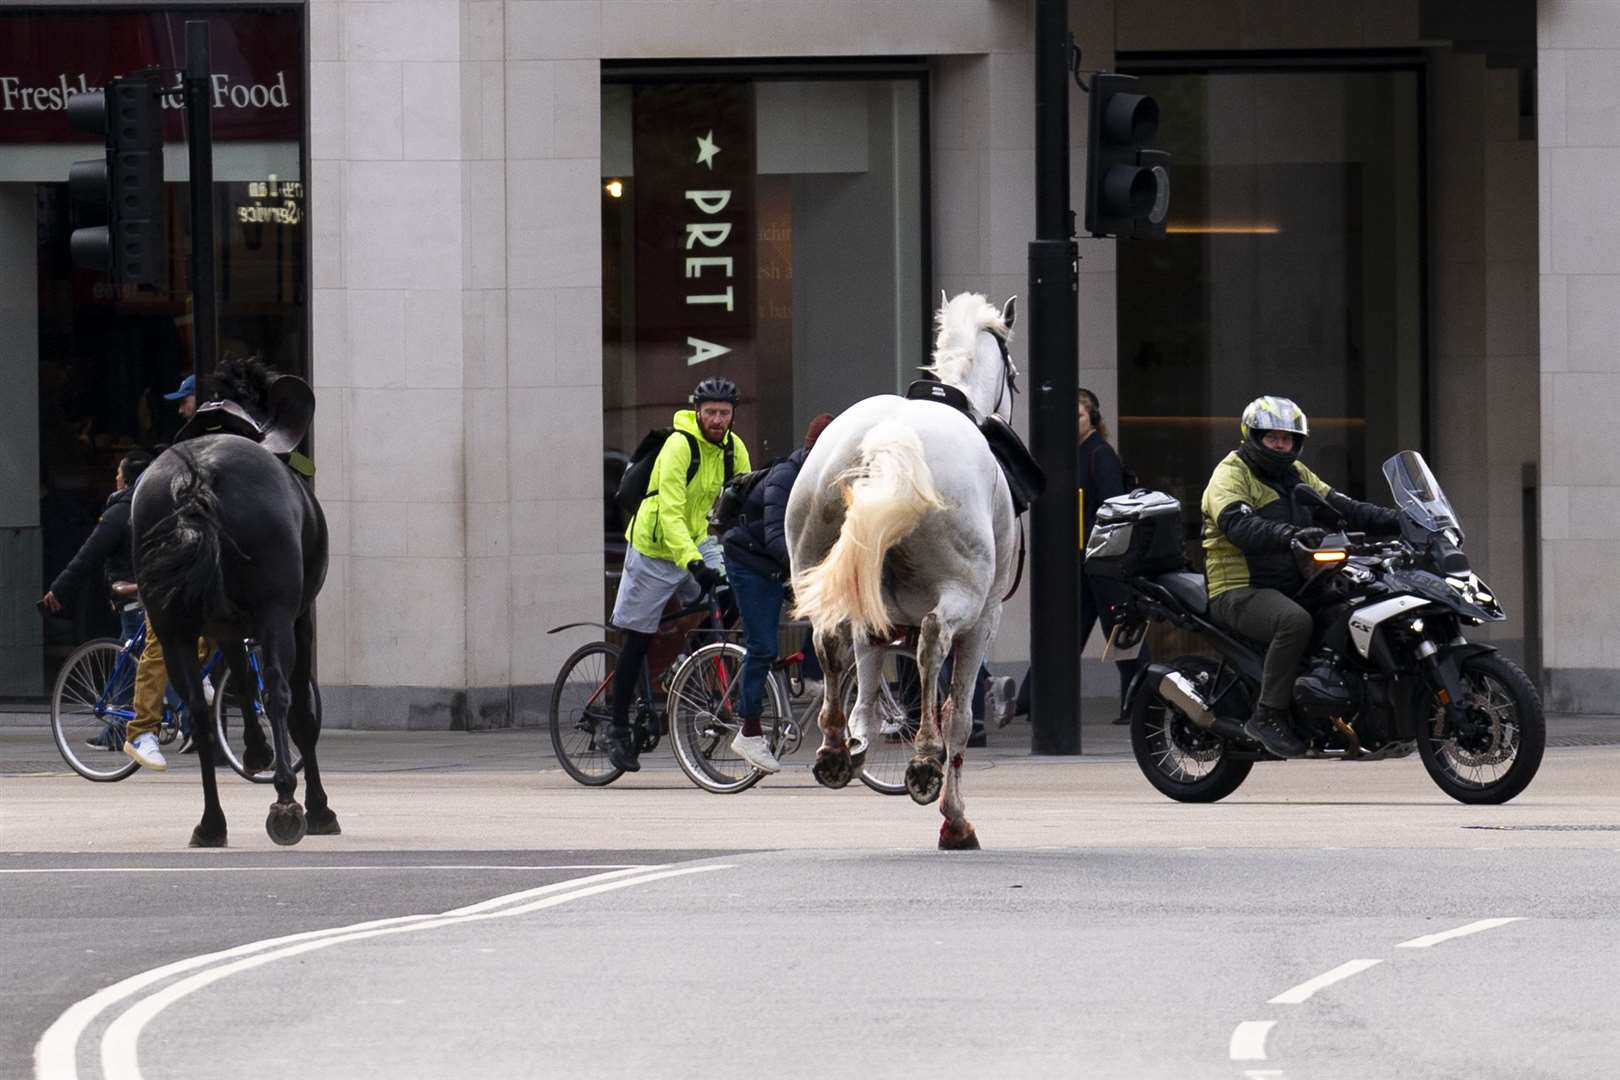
{"x": 976, "y": 736}
{"x": 1269, "y": 727}
{"x": 186, "y": 745}
{"x": 622, "y": 756}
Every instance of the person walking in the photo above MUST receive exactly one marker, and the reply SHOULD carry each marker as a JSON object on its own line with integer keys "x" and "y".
{"x": 664, "y": 558}
{"x": 1102, "y": 477}
{"x": 757, "y": 567}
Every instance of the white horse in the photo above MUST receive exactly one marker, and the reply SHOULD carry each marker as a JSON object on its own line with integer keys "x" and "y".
{"x": 901, "y": 517}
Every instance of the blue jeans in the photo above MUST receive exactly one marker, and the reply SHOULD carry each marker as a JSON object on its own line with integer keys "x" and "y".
{"x": 759, "y": 601}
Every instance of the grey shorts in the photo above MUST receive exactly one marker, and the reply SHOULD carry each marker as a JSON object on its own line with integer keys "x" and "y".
{"x": 645, "y": 588}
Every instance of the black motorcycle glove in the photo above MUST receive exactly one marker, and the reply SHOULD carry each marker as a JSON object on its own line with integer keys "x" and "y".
{"x": 704, "y": 574}
{"x": 1310, "y": 536}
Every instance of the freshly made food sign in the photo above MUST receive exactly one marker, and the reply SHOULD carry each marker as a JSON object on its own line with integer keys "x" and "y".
{"x": 46, "y": 58}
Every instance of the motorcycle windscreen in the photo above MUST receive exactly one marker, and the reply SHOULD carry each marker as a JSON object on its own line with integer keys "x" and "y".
{"x": 1418, "y": 493}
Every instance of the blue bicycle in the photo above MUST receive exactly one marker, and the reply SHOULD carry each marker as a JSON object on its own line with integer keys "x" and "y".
{"x": 93, "y": 703}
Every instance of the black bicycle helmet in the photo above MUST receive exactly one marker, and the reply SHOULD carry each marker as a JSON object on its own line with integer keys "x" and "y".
{"x": 715, "y": 388}
{"x": 1272, "y": 414}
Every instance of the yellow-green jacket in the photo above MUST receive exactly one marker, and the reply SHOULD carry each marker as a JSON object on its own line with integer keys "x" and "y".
{"x": 674, "y": 515}
{"x": 1247, "y": 527}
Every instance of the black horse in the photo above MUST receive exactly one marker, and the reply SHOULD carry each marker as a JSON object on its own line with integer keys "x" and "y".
{"x": 229, "y": 544}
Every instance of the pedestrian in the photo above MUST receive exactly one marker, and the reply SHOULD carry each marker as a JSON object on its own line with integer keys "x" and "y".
{"x": 1102, "y": 477}
{"x": 757, "y": 567}
{"x": 664, "y": 557}
{"x": 186, "y": 395}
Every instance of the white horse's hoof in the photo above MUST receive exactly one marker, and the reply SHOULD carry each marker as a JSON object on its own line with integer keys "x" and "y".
{"x": 950, "y": 840}
{"x": 833, "y": 767}
{"x": 924, "y": 778}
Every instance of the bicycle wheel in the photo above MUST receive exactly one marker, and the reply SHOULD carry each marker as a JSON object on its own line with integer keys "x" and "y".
{"x": 894, "y": 729}
{"x": 582, "y": 714}
{"x": 237, "y": 727}
{"x": 703, "y": 699}
{"x": 91, "y": 683}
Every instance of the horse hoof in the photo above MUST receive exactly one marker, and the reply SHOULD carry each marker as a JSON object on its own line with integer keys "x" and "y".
{"x": 833, "y": 768}
{"x": 924, "y": 777}
{"x": 285, "y": 823}
{"x": 324, "y": 824}
{"x": 258, "y": 761}
{"x": 949, "y": 840}
{"x": 202, "y": 838}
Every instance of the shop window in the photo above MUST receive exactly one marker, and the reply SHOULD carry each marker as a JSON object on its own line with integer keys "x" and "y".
{"x": 1292, "y": 266}
{"x": 86, "y": 365}
{"x": 768, "y": 229}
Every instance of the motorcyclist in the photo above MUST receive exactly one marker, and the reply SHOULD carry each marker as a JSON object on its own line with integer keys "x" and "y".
{"x": 1251, "y": 520}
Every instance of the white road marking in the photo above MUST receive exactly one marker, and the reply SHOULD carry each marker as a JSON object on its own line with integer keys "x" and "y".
{"x": 1249, "y": 1040}
{"x": 119, "y": 1042}
{"x": 55, "y": 1056}
{"x": 1427, "y": 940}
{"x": 1304, "y": 990}
{"x": 1263, "y": 1074}
{"x": 355, "y": 866}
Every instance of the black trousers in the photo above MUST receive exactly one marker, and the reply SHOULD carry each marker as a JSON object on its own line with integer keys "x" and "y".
{"x": 1267, "y": 615}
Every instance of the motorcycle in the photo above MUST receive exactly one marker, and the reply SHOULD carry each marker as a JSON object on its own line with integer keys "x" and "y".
{"x": 1389, "y": 670}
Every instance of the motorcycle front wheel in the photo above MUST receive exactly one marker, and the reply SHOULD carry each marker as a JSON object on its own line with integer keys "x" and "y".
{"x": 1179, "y": 758}
{"x": 1496, "y": 755}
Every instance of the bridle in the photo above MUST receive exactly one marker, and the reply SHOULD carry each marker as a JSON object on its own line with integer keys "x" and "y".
{"x": 1009, "y": 380}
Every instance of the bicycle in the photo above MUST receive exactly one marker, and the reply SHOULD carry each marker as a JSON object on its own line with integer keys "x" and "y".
{"x": 582, "y": 698}
{"x": 92, "y": 703}
{"x": 703, "y": 691}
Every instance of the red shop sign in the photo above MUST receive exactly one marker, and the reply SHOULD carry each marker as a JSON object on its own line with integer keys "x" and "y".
{"x": 257, "y": 59}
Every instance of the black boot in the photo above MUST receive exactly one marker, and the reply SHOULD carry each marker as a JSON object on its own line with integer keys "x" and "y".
{"x": 622, "y": 752}
{"x": 621, "y": 742}
{"x": 1269, "y": 727}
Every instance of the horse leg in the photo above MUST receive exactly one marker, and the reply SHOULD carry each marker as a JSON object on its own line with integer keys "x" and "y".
{"x": 256, "y": 755}
{"x": 956, "y": 832}
{"x": 306, "y": 731}
{"x": 185, "y": 674}
{"x": 926, "y": 773}
{"x": 863, "y": 720}
{"x": 833, "y": 768}
{"x": 285, "y": 823}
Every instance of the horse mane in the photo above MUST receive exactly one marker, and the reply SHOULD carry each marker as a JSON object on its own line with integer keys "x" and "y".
{"x": 243, "y": 379}
{"x": 959, "y": 322}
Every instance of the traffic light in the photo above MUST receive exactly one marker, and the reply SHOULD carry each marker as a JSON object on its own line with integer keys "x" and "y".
{"x": 1127, "y": 183}
{"x": 118, "y": 200}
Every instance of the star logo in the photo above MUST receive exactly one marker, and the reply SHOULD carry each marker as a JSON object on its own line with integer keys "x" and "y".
{"x": 707, "y": 149}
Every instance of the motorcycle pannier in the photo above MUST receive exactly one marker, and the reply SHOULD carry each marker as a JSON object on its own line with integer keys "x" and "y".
{"x": 1136, "y": 535}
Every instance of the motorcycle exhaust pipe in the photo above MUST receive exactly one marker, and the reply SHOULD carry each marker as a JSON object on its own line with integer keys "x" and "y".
{"x": 1179, "y": 691}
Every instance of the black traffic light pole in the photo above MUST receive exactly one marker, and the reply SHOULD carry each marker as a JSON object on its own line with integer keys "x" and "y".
{"x": 1054, "y": 568}
{"x": 200, "y": 146}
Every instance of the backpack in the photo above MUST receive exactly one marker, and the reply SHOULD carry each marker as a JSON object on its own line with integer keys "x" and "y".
{"x": 633, "y": 485}
{"x": 727, "y": 510}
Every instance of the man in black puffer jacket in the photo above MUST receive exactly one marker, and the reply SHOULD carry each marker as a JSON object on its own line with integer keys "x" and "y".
{"x": 757, "y": 568}
{"x": 107, "y": 550}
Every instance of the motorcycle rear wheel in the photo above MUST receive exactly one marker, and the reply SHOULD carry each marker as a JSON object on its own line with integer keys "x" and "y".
{"x": 1180, "y": 759}
{"x": 1494, "y": 766}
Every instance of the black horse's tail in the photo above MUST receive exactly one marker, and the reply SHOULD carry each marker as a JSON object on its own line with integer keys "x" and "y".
{"x": 179, "y": 555}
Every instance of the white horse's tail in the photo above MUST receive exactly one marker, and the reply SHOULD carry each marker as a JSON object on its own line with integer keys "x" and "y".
{"x": 886, "y": 496}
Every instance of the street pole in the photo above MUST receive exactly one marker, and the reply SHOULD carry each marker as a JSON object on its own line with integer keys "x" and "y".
{"x": 200, "y": 147}
{"x": 1054, "y": 578}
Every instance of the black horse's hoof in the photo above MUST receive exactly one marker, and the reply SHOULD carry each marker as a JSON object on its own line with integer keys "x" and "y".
{"x": 924, "y": 778}
{"x": 964, "y": 839}
{"x": 285, "y": 823}
{"x": 833, "y": 767}
{"x": 258, "y": 759}
{"x": 324, "y": 823}
{"x": 201, "y": 837}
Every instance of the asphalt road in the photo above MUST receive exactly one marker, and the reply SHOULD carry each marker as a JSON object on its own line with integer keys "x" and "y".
{"x": 482, "y": 916}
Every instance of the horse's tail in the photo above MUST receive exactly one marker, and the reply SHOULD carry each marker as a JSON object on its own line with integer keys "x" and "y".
{"x": 886, "y": 496}
{"x": 179, "y": 560}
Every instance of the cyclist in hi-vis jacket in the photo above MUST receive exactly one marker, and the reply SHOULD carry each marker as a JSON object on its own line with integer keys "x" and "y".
{"x": 669, "y": 550}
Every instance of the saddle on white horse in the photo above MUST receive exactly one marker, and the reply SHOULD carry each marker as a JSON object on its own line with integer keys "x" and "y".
{"x": 1025, "y": 477}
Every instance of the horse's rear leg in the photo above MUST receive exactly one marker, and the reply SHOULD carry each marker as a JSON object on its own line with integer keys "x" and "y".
{"x": 305, "y": 728}
{"x": 185, "y": 675}
{"x": 834, "y": 767}
{"x": 956, "y": 832}
{"x": 926, "y": 772}
{"x": 285, "y": 823}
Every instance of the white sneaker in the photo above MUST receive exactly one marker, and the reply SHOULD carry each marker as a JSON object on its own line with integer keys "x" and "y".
{"x": 1000, "y": 699}
{"x": 208, "y": 693}
{"x": 143, "y": 749}
{"x": 754, "y": 750}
